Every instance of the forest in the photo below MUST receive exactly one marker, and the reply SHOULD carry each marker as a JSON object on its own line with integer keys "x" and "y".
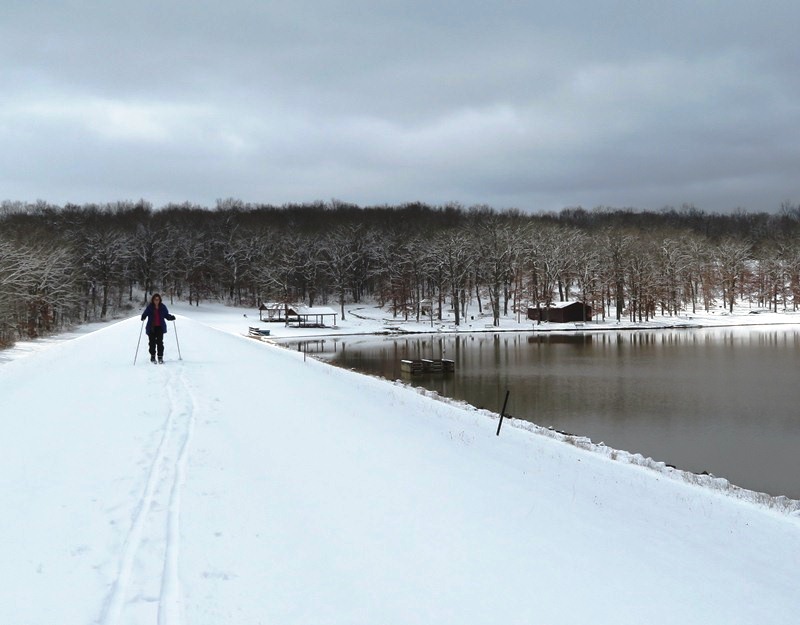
{"x": 65, "y": 265}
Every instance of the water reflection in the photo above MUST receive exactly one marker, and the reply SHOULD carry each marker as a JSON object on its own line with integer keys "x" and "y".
{"x": 721, "y": 400}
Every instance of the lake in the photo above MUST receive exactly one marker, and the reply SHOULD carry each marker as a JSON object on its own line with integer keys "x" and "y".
{"x": 719, "y": 400}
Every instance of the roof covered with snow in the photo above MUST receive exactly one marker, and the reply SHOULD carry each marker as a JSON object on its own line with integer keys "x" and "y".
{"x": 309, "y": 310}
{"x": 558, "y": 305}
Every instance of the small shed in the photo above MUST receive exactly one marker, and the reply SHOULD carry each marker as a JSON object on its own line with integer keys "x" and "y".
{"x": 306, "y": 316}
{"x": 272, "y": 311}
{"x": 426, "y": 307}
{"x": 561, "y": 312}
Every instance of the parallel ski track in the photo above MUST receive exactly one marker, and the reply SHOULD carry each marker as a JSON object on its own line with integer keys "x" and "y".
{"x": 151, "y": 549}
{"x": 170, "y": 608}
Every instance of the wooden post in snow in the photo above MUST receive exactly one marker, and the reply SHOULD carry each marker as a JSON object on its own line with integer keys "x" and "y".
{"x": 503, "y": 413}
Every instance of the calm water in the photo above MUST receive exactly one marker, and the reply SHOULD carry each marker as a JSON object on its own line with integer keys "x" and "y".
{"x": 725, "y": 401}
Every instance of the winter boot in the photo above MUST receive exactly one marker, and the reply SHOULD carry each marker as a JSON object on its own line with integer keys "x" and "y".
{"x": 160, "y": 360}
{"x": 153, "y": 359}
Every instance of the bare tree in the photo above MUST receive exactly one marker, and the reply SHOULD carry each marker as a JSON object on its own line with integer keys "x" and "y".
{"x": 552, "y": 256}
{"x": 455, "y": 261}
{"x": 103, "y": 253}
{"x": 496, "y": 245}
{"x": 732, "y": 255}
{"x": 341, "y": 257}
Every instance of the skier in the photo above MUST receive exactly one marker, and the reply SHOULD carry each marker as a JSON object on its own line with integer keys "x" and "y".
{"x": 157, "y": 316}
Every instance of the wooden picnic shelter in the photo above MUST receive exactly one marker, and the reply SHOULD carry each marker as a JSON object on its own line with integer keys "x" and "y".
{"x": 307, "y": 316}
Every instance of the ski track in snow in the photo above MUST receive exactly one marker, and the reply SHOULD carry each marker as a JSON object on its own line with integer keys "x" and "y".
{"x": 147, "y": 587}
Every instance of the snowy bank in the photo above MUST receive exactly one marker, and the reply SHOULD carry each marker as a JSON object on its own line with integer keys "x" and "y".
{"x": 365, "y": 320}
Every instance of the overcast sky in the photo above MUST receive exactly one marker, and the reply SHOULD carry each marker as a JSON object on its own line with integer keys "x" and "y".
{"x": 533, "y": 105}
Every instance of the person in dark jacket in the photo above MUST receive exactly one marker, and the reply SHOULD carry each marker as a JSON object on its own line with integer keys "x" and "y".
{"x": 157, "y": 316}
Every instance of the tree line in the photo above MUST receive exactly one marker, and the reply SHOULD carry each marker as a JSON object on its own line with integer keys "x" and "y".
{"x": 62, "y": 265}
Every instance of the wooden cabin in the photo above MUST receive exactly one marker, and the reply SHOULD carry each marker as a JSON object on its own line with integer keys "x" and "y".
{"x": 561, "y": 312}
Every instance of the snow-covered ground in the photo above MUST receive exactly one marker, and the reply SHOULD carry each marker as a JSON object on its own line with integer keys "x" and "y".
{"x": 244, "y": 484}
{"x": 369, "y": 319}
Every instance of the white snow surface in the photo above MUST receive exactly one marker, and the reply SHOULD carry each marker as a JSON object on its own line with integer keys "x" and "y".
{"x": 243, "y": 484}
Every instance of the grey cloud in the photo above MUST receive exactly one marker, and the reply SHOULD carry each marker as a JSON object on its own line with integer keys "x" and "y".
{"x": 529, "y": 104}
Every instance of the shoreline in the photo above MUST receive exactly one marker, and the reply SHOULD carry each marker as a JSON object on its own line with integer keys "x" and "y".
{"x": 568, "y": 328}
{"x": 709, "y": 481}
{"x": 781, "y": 504}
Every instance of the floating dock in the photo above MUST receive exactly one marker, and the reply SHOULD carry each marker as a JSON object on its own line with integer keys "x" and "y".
{"x": 426, "y": 365}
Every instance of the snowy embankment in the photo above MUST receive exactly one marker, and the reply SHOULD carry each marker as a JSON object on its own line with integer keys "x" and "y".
{"x": 243, "y": 484}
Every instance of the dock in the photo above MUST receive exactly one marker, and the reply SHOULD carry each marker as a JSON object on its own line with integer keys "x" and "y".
{"x": 426, "y": 365}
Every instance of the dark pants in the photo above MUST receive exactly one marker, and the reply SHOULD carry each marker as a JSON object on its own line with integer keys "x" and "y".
{"x": 156, "y": 337}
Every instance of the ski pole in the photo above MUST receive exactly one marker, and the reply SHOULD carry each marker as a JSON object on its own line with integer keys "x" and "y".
{"x": 177, "y": 342}
{"x": 137, "y": 344}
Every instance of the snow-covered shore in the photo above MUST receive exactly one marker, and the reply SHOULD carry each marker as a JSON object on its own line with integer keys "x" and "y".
{"x": 244, "y": 484}
{"x": 370, "y": 319}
